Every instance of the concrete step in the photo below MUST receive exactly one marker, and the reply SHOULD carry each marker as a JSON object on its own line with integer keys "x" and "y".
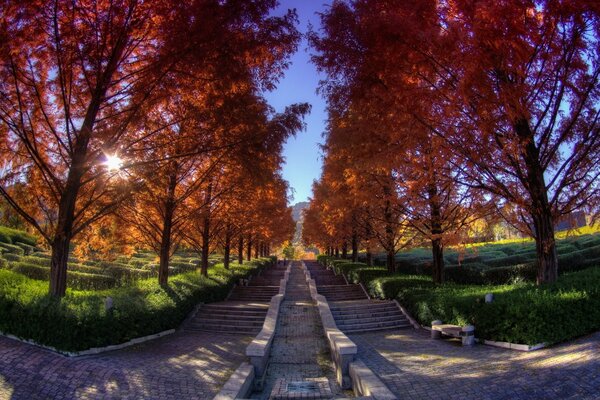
{"x": 342, "y": 316}
{"x": 237, "y": 317}
{"x": 248, "y": 310}
{"x": 226, "y": 321}
{"x": 374, "y": 325}
{"x": 241, "y": 330}
{"x": 370, "y": 320}
{"x": 363, "y": 306}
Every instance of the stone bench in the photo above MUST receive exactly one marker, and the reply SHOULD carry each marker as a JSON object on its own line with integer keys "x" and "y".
{"x": 465, "y": 333}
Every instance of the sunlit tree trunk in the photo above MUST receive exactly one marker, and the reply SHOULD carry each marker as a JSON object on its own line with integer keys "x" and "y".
{"x": 437, "y": 246}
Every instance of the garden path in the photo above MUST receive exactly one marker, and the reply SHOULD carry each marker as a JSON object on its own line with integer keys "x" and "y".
{"x": 185, "y": 365}
{"x": 414, "y": 366}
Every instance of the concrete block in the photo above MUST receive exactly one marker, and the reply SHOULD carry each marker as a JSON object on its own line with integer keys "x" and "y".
{"x": 366, "y": 383}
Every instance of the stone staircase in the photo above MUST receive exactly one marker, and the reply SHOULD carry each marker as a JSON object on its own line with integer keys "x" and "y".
{"x": 352, "y": 309}
{"x": 253, "y": 293}
{"x": 342, "y": 292}
{"x": 367, "y": 316}
{"x": 245, "y": 309}
{"x": 229, "y": 317}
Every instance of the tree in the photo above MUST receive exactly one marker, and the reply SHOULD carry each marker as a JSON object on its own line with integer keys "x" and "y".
{"x": 75, "y": 77}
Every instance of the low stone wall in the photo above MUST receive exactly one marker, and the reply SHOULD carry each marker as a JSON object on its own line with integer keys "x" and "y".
{"x": 239, "y": 384}
{"x": 343, "y": 350}
{"x": 366, "y": 383}
{"x": 259, "y": 349}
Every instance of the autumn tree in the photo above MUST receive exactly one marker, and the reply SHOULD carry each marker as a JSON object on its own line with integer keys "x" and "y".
{"x": 74, "y": 77}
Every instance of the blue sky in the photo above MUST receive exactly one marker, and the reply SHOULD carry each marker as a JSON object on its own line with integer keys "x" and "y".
{"x": 303, "y": 156}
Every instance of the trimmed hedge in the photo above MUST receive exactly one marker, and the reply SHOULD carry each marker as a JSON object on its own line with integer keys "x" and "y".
{"x": 522, "y": 313}
{"x": 10, "y": 235}
{"x": 387, "y": 287}
{"x": 75, "y": 280}
{"x": 79, "y": 321}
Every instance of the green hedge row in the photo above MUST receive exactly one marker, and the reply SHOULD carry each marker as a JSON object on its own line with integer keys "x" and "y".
{"x": 79, "y": 321}
{"x": 522, "y": 313}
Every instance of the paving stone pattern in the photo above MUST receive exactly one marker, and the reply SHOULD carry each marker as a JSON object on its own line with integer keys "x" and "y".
{"x": 300, "y": 350}
{"x": 184, "y": 365}
{"x": 414, "y": 366}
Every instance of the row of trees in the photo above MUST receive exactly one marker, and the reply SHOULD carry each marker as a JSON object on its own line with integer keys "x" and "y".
{"x": 128, "y": 119}
{"x": 441, "y": 113}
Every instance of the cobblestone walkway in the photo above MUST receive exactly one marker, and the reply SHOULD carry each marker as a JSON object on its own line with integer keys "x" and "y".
{"x": 416, "y": 367}
{"x": 180, "y": 366}
{"x": 299, "y": 351}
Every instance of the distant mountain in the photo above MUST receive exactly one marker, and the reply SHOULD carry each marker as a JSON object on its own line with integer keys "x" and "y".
{"x": 297, "y": 210}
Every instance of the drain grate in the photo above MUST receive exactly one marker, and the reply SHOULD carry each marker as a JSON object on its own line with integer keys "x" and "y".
{"x": 303, "y": 387}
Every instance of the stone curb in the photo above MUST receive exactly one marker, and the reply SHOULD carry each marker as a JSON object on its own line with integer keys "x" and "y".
{"x": 239, "y": 384}
{"x": 343, "y": 350}
{"x": 259, "y": 349}
{"x": 93, "y": 350}
{"x": 366, "y": 383}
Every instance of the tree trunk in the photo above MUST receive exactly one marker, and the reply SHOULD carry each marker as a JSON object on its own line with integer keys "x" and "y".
{"x": 227, "y": 249}
{"x": 206, "y": 231}
{"x": 241, "y": 250}
{"x": 541, "y": 211}
{"x": 58, "y": 266}
{"x": 256, "y": 247}
{"x": 390, "y": 261}
{"x": 345, "y": 250}
{"x": 337, "y": 252}
{"x": 437, "y": 246}
{"x": 165, "y": 239}
{"x": 354, "y": 247}
{"x": 249, "y": 248}
{"x": 369, "y": 255}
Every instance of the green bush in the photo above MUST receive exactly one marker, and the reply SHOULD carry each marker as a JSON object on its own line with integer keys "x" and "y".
{"x": 491, "y": 276}
{"x": 79, "y": 321}
{"x": 522, "y": 313}
{"x": 387, "y": 287}
{"x": 75, "y": 280}
{"x": 11, "y": 257}
{"x": 324, "y": 259}
{"x": 9, "y": 235}
{"x": 13, "y": 249}
{"x": 345, "y": 266}
{"x": 365, "y": 275}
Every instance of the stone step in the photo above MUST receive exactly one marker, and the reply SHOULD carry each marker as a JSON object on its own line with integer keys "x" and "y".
{"x": 370, "y": 320}
{"x": 374, "y": 326}
{"x": 344, "y": 297}
{"x": 362, "y": 304}
{"x": 226, "y": 321}
{"x": 239, "y": 317}
{"x": 241, "y": 330}
{"x": 375, "y": 313}
{"x": 235, "y": 309}
{"x": 362, "y": 307}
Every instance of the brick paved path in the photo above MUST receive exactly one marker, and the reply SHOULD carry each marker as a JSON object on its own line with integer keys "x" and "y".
{"x": 300, "y": 350}
{"x": 416, "y": 367}
{"x": 180, "y": 366}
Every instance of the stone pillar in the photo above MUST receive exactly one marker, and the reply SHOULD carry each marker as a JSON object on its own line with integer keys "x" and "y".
{"x": 436, "y": 334}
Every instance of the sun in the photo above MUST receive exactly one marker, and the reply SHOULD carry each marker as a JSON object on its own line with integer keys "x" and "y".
{"x": 113, "y": 162}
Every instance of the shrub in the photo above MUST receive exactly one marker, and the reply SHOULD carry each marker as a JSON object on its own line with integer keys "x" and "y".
{"x": 13, "y": 249}
{"x": 79, "y": 321}
{"x": 346, "y": 266}
{"x": 9, "y": 235}
{"x": 324, "y": 259}
{"x": 365, "y": 275}
{"x": 11, "y": 257}
{"x": 387, "y": 287}
{"x": 522, "y": 313}
{"x": 32, "y": 271}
